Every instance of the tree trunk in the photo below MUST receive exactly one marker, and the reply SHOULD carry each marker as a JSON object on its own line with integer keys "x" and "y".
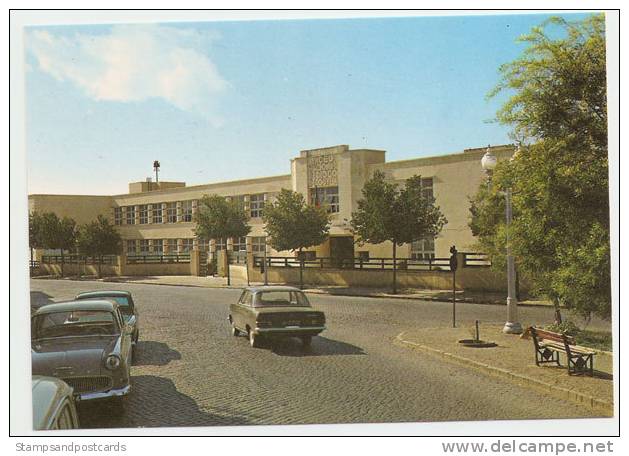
{"x": 31, "y": 265}
{"x": 100, "y": 264}
{"x": 62, "y": 261}
{"x": 394, "y": 267}
{"x": 558, "y": 319}
{"x": 301, "y": 269}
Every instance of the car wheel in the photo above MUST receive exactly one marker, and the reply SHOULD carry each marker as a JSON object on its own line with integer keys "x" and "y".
{"x": 134, "y": 349}
{"x": 254, "y": 340}
{"x": 306, "y": 341}
{"x": 235, "y": 331}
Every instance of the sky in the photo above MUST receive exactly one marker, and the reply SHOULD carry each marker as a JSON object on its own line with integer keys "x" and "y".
{"x": 218, "y": 101}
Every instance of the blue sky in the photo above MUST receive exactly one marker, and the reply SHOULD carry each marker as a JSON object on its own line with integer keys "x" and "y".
{"x": 217, "y": 101}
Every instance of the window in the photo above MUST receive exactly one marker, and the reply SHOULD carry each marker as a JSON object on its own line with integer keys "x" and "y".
{"x": 239, "y": 201}
{"x": 144, "y": 214}
{"x": 130, "y": 215}
{"x": 220, "y": 244}
{"x": 117, "y": 216}
{"x": 256, "y": 204}
{"x": 131, "y": 247}
{"x": 239, "y": 244}
{"x": 257, "y": 245}
{"x": 186, "y": 211}
{"x": 423, "y": 249}
{"x": 157, "y": 213}
{"x": 172, "y": 246}
{"x": 363, "y": 255}
{"x": 158, "y": 246}
{"x": 325, "y": 196}
{"x": 186, "y": 245}
{"x": 427, "y": 188}
{"x": 144, "y": 247}
{"x": 171, "y": 212}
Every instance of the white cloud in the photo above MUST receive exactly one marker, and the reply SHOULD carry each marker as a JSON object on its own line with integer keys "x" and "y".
{"x": 135, "y": 63}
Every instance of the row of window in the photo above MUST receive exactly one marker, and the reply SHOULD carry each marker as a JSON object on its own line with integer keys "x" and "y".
{"x": 186, "y": 245}
{"x": 168, "y": 213}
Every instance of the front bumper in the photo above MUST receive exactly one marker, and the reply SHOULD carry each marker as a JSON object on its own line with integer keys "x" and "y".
{"x": 117, "y": 392}
{"x": 299, "y": 331}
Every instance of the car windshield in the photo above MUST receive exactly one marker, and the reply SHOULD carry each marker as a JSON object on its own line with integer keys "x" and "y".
{"x": 281, "y": 298}
{"x": 73, "y": 323}
{"x": 123, "y": 302}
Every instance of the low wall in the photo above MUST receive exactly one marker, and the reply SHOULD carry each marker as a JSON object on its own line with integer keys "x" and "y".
{"x": 238, "y": 272}
{"x": 473, "y": 279}
{"x": 153, "y": 269}
{"x": 77, "y": 269}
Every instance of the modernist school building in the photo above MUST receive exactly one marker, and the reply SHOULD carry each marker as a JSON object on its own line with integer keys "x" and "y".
{"x": 157, "y": 218}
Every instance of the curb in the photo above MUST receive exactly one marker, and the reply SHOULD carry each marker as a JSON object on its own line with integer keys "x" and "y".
{"x": 315, "y": 291}
{"x": 423, "y": 298}
{"x": 562, "y": 393}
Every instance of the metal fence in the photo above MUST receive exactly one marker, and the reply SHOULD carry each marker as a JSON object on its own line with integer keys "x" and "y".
{"x": 157, "y": 259}
{"x": 78, "y": 259}
{"x": 239, "y": 257}
{"x": 374, "y": 264}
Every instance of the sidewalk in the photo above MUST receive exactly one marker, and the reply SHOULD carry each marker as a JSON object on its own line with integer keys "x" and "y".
{"x": 423, "y": 295}
{"x": 514, "y": 360}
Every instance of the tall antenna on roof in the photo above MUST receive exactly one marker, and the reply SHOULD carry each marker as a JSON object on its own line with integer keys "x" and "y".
{"x": 156, "y": 169}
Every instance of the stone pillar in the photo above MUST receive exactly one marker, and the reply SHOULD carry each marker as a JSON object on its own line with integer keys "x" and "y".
{"x": 137, "y": 214}
{"x": 124, "y": 215}
{"x": 164, "y": 213}
{"x": 121, "y": 264}
{"x": 229, "y": 245}
{"x": 179, "y": 244}
{"x": 221, "y": 263}
{"x": 195, "y": 244}
{"x": 149, "y": 214}
{"x": 195, "y": 264}
{"x": 179, "y": 212}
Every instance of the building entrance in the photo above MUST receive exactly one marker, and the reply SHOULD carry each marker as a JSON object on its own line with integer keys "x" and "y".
{"x": 342, "y": 248}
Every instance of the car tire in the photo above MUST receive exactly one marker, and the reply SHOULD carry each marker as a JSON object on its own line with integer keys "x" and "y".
{"x": 254, "y": 340}
{"x": 306, "y": 341}
{"x": 235, "y": 331}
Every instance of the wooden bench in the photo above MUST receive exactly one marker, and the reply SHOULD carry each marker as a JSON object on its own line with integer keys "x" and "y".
{"x": 548, "y": 344}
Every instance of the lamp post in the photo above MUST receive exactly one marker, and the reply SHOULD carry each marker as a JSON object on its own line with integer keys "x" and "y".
{"x": 512, "y": 326}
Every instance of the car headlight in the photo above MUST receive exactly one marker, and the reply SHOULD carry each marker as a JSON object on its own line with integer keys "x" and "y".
{"x": 112, "y": 362}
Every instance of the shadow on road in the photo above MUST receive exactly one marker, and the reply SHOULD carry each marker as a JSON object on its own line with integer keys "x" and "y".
{"x": 151, "y": 353}
{"x": 154, "y": 402}
{"x": 321, "y": 346}
{"x": 38, "y": 299}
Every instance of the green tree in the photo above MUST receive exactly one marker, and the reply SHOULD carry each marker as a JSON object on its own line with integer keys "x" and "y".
{"x": 58, "y": 234}
{"x": 401, "y": 216}
{"x": 34, "y": 232}
{"x": 217, "y": 218}
{"x": 291, "y": 224}
{"x": 99, "y": 238}
{"x": 560, "y": 229}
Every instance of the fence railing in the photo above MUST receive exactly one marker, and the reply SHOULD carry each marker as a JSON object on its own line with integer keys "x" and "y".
{"x": 432, "y": 264}
{"x": 33, "y": 264}
{"x": 78, "y": 259}
{"x": 157, "y": 259}
{"x": 239, "y": 257}
{"x": 478, "y": 260}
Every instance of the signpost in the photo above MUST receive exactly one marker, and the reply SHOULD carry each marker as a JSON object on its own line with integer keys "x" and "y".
{"x": 453, "y": 266}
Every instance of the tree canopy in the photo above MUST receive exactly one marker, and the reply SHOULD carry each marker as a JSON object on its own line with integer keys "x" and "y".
{"x": 217, "y": 218}
{"x": 294, "y": 225}
{"x": 388, "y": 213}
{"x": 559, "y": 177}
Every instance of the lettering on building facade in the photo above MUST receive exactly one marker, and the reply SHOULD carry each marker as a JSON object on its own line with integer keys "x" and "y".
{"x": 322, "y": 171}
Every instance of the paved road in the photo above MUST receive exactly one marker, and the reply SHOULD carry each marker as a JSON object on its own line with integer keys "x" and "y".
{"x": 191, "y": 372}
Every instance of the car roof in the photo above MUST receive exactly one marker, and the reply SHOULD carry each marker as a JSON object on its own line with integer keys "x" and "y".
{"x": 271, "y": 288}
{"x": 101, "y": 304}
{"x": 103, "y": 294}
{"x": 48, "y": 392}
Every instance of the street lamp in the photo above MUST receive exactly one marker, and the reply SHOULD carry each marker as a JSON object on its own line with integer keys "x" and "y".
{"x": 512, "y": 326}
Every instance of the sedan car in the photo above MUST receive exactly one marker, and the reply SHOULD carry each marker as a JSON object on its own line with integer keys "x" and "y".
{"x": 127, "y": 307}
{"x": 54, "y": 406}
{"x": 85, "y": 343}
{"x": 274, "y": 312}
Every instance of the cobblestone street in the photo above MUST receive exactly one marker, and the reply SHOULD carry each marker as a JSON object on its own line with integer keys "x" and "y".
{"x": 190, "y": 371}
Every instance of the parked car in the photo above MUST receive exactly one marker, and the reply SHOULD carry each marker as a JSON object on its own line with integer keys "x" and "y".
{"x": 54, "y": 406}
{"x": 127, "y": 307}
{"x": 87, "y": 344}
{"x": 273, "y": 312}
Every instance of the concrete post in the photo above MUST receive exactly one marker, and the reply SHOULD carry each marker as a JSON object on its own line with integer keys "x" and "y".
{"x": 121, "y": 264}
{"x": 195, "y": 265}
